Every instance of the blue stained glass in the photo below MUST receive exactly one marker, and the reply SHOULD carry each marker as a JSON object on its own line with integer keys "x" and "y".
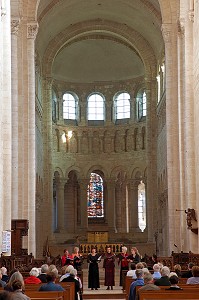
{"x": 95, "y": 201}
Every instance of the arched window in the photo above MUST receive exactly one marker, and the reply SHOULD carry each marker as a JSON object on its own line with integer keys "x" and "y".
{"x": 69, "y": 107}
{"x": 141, "y": 105}
{"x": 141, "y": 206}
{"x": 95, "y": 197}
{"x": 95, "y": 107}
{"x": 122, "y": 106}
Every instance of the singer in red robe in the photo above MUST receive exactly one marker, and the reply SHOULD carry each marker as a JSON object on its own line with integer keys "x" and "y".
{"x": 109, "y": 266}
{"x": 124, "y": 263}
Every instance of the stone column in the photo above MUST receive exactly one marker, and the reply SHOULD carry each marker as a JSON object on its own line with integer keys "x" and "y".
{"x": 189, "y": 122}
{"x": 83, "y": 112}
{"x": 83, "y": 183}
{"x": 111, "y": 213}
{"x": 14, "y": 69}
{"x": 6, "y": 117}
{"x": 133, "y": 110}
{"x": 60, "y": 101}
{"x": 183, "y": 241}
{"x": 108, "y": 112}
{"x": 169, "y": 32}
{"x": 133, "y": 205}
{"x": 32, "y": 29}
{"x": 60, "y": 205}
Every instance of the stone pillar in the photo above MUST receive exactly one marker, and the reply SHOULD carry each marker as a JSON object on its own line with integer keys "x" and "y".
{"x": 6, "y": 118}
{"x": 32, "y": 29}
{"x": 47, "y": 157}
{"x": 109, "y": 112}
{"x": 183, "y": 241}
{"x": 60, "y": 101}
{"x": 189, "y": 122}
{"x": 169, "y": 32}
{"x": 133, "y": 205}
{"x": 111, "y": 213}
{"x": 151, "y": 157}
{"x": 14, "y": 69}
{"x": 133, "y": 110}
{"x": 60, "y": 205}
{"x": 83, "y": 183}
{"x": 83, "y": 112}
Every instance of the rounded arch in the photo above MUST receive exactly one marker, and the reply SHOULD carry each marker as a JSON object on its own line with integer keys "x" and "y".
{"x": 75, "y": 169}
{"x": 126, "y": 35}
{"x": 117, "y": 170}
{"x": 58, "y": 170}
{"x": 96, "y": 168}
{"x": 137, "y": 173}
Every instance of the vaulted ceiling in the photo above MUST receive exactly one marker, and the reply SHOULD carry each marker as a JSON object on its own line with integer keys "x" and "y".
{"x": 101, "y": 54}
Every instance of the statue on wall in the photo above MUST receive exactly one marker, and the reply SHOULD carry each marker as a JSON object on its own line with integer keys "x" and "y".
{"x": 73, "y": 143}
{"x": 96, "y": 143}
{"x": 108, "y": 142}
{"x": 84, "y": 143}
{"x": 119, "y": 142}
{"x": 129, "y": 140}
{"x": 191, "y": 215}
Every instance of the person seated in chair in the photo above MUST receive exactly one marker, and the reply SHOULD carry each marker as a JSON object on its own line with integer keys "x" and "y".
{"x": 51, "y": 285}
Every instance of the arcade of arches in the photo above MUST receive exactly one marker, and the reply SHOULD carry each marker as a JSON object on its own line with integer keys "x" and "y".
{"x": 98, "y": 123}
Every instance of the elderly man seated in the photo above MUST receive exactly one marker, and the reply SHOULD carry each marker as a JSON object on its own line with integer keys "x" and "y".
{"x": 139, "y": 281}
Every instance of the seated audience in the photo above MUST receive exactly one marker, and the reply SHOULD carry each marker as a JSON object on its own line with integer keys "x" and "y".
{"x": 16, "y": 276}
{"x": 195, "y": 276}
{"x": 177, "y": 268}
{"x": 66, "y": 270}
{"x": 32, "y": 279}
{"x": 6, "y": 296}
{"x": 156, "y": 274}
{"x": 73, "y": 278}
{"x": 18, "y": 291}
{"x": 139, "y": 266}
{"x": 131, "y": 273}
{"x": 2, "y": 283}
{"x": 188, "y": 274}
{"x": 174, "y": 283}
{"x": 44, "y": 270}
{"x": 164, "y": 280}
{"x": 148, "y": 285}
{"x": 139, "y": 281}
{"x": 5, "y": 276}
{"x": 51, "y": 285}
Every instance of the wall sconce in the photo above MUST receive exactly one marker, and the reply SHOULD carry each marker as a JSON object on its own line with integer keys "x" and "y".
{"x": 66, "y": 136}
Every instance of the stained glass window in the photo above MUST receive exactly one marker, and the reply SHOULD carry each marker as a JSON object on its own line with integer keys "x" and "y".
{"x": 95, "y": 201}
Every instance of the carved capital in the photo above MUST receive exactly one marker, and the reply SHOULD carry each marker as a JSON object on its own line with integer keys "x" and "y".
{"x": 181, "y": 26}
{"x": 32, "y": 29}
{"x": 15, "y": 26}
{"x": 191, "y": 15}
{"x": 166, "y": 32}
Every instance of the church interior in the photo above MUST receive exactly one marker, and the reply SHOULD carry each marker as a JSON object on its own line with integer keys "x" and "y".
{"x": 99, "y": 125}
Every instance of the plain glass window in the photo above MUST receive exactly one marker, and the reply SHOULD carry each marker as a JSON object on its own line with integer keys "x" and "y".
{"x": 122, "y": 106}
{"x": 95, "y": 107}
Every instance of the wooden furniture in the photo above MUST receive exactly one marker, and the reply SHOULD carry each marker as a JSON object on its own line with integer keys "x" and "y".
{"x": 19, "y": 229}
{"x": 187, "y": 294}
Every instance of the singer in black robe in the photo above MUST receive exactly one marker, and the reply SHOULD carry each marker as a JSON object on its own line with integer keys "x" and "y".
{"x": 93, "y": 271}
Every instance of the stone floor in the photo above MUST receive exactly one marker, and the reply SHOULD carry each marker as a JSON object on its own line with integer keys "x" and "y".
{"x": 102, "y": 293}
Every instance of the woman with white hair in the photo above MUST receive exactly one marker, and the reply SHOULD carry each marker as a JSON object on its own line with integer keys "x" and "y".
{"x": 32, "y": 279}
{"x": 124, "y": 263}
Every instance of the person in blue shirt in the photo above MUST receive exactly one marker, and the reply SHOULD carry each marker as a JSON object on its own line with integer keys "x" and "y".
{"x": 51, "y": 285}
{"x": 139, "y": 281}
